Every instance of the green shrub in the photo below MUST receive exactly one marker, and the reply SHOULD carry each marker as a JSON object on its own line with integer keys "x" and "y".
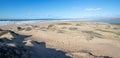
{"x": 34, "y": 26}
{"x": 3, "y": 32}
{"x": 73, "y": 28}
{"x": 92, "y": 34}
{"x": 116, "y": 28}
{"x": 28, "y": 29}
{"x": 53, "y": 29}
{"x": 78, "y": 24}
{"x": 49, "y": 26}
{"x": 20, "y": 28}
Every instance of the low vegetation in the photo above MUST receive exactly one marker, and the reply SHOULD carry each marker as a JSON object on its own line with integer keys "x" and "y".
{"x": 117, "y": 33}
{"x": 53, "y": 29}
{"x": 49, "y": 26}
{"x": 64, "y": 24}
{"x": 34, "y": 26}
{"x": 64, "y": 28}
{"x": 43, "y": 28}
{"x": 73, "y": 28}
{"x": 116, "y": 28}
{"x": 60, "y": 31}
{"x": 78, "y": 24}
{"x": 20, "y": 28}
{"x": 28, "y": 29}
{"x": 92, "y": 34}
{"x": 3, "y": 32}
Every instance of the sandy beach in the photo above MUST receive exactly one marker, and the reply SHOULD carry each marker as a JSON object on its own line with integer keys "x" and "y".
{"x": 62, "y": 40}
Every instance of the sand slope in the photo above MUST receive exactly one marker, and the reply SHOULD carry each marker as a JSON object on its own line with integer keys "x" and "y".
{"x": 71, "y": 39}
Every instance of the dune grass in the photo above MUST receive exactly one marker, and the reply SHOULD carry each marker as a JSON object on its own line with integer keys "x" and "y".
{"x": 3, "y": 32}
{"x": 43, "y": 28}
{"x": 20, "y": 28}
{"x": 64, "y": 28}
{"x": 49, "y": 26}
{"x": 64, "y": 24}
{"x": 117, "y": 33}
{"x": 60, "y": 31}
{"x": 92, "y": 34}
{"x": 116, "y": 28}
{"x": 73, "y": 28}
{"x": 28, "y": 29}
{"x": 78, "y": 24}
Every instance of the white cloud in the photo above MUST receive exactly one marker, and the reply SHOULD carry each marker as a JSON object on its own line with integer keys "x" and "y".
{"x": 93, "y": 9}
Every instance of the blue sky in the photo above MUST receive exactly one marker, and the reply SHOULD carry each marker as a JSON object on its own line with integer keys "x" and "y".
{"x": 36, "y": 9}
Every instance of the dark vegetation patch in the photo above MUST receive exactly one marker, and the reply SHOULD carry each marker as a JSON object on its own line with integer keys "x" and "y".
{"x": 73, "y": 28}
{"x": 24, "y": 28}
{"x": 116, "y": 28}
{"x": 20, "y": 28}
{"x": 28, "y": 29}
{"x": 64, "y": 24}
{"x": 2, "y": 32}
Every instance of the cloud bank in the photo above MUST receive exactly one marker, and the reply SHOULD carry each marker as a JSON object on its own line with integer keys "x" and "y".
{"x": 93, "y": 9}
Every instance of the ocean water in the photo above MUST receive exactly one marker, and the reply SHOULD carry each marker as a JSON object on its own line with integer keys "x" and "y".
{"x": 21, "y": 21}
{"x": 108, "y": 21}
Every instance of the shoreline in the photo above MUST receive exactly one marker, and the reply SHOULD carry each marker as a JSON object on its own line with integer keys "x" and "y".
{"x": 47, "y": 22}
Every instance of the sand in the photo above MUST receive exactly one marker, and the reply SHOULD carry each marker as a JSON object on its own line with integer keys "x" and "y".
{"x": 69, "y": 39}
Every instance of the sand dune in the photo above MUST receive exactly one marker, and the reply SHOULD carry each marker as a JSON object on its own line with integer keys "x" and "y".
{"x": 64, "y": 40}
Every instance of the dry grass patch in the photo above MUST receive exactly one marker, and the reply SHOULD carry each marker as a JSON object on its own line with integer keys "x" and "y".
{"x": 64, "y": 28}
{"x": 64, "y": 24}
{"x": 78, "y": 24}
{"x": 28, "y": 29}
{"x": 73, "y": 28}
{"x": 61, "y": 31}
{"x": 3, "y": 32}
{"x": 116, "y": 28}
{"x": 92, "y": 34}
{"x": 53, "y": 29}
{"x": 117, "y": 33}
{"x": 43, "y": 28}
{"x": 34, "y": 26}
{"x": 50, "y": 26}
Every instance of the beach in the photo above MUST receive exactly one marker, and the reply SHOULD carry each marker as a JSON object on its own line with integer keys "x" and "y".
{"x": 68, "y": 39}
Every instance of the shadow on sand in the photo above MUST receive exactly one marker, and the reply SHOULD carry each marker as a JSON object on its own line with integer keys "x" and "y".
{"x": 20, "y": 50}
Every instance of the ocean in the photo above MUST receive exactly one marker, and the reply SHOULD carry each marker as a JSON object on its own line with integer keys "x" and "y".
{"x": 4, "y": 22}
